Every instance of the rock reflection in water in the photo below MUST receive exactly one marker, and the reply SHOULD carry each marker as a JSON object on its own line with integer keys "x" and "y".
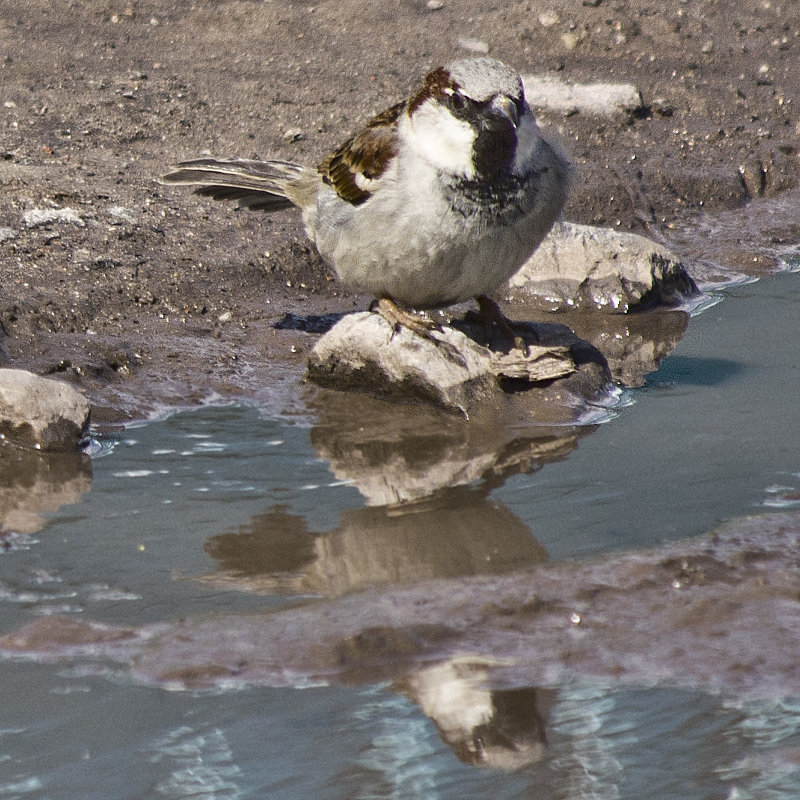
{"x": 499, "y": 728}
{"x": 34, "y": 483}
{"x": 462, "y": 533}
{"x": 426, "y": 478}
{"x": 399, "y": 455}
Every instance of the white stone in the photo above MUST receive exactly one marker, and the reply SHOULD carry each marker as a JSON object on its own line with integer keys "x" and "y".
{"x": 122, "y": 214}
{"x": 582, "y": 266}
{"x": 473, "y": 45}
{"x": 604, "y": 99}
{"x": 558, "y": 379}
{"x": 549, "y": 18}
{"x": 39, "y": 217}
{"x": 41, "y": 413}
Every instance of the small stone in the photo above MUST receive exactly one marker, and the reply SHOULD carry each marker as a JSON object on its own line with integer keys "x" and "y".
{"x": 40, "y": 413}
{"x": 549, "y": 18}
{"x": 122, "y": 215}
{"x": 103, "y": 263}
{"x": 434, "y": 5}
{"x": 293, "y": 135}
{"x": 604, "y": 99}
{"x": 473, "y": 45}
{"x": 662, "y": 107}
{"x": 6, "y": 234}
{"x": 39, "y": 217}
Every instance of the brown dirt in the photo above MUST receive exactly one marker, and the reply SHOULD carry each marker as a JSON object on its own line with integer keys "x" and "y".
{"x": 175, "y": 297}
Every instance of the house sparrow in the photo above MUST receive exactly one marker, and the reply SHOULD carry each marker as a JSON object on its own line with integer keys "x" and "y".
{"x": 439, "y": 199}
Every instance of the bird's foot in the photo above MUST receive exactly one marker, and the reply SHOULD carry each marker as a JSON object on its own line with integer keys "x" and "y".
{"x": 397, "y": 317}
{"x": 491, "y": 314}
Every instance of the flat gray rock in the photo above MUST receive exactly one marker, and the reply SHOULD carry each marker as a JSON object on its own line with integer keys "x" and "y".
{"x": 582, "y": 266}
{"x": 451, "y": 371}
{"x": 41, "y": 413}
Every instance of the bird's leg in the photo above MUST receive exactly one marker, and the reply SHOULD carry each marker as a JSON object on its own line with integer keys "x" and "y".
{"x": 491, "y": 313}
{"x": 397, "y": 316}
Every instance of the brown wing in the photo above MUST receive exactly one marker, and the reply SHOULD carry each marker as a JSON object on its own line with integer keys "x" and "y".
{"x": 365, "y": 154}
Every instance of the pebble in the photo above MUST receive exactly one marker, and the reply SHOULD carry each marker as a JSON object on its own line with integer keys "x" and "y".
{"x": 434, "y": 5}
{"x": 121, "y": 215}
{"x": 39, "y": 217}
{"x": 549, "y": 18}
{"x": 473, "y": 45}
{"x": 6, "y": 234}
{"x": 293, "y": 135}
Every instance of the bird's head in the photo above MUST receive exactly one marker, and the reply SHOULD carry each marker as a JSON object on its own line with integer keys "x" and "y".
{"x": 470, "y": 119}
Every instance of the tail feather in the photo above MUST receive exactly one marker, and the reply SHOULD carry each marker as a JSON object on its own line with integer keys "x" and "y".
{"x": 264, "y": 185}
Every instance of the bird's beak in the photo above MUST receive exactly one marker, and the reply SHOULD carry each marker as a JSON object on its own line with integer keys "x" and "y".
{"x": 506, "y": 108}
{"x": 504, "y": 113}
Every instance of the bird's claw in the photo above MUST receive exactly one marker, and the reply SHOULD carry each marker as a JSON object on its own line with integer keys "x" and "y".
{"x": 399, "y": 317}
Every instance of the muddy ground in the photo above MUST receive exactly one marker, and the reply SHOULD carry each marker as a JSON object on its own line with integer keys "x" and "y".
{"x": 145, "y": 294}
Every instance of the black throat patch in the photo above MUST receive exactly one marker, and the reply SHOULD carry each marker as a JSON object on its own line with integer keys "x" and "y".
{"x": 494, "y": 150}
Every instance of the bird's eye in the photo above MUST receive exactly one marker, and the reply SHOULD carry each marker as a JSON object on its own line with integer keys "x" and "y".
{"x": 458, "y": 102}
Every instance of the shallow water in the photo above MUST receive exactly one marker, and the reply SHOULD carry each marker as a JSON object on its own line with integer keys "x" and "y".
{"x": 231, "y": 509}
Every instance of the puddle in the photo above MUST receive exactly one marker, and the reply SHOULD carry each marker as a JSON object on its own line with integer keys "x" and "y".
{"x": 224, "y": 512}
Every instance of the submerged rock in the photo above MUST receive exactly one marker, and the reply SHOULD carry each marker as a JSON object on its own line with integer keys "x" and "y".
{"x": 719, "y": 613}
{"x": 41, "y": 413}
{"x": 581, "y": 266}
{"x": 453, "y": 371}
{"x": 633, "y": 344}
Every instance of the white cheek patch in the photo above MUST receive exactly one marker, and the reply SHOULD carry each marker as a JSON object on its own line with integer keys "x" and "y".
{"x": 442, "y": 140}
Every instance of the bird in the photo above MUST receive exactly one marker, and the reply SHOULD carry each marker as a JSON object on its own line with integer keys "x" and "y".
{"x": 437, "y": 200}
